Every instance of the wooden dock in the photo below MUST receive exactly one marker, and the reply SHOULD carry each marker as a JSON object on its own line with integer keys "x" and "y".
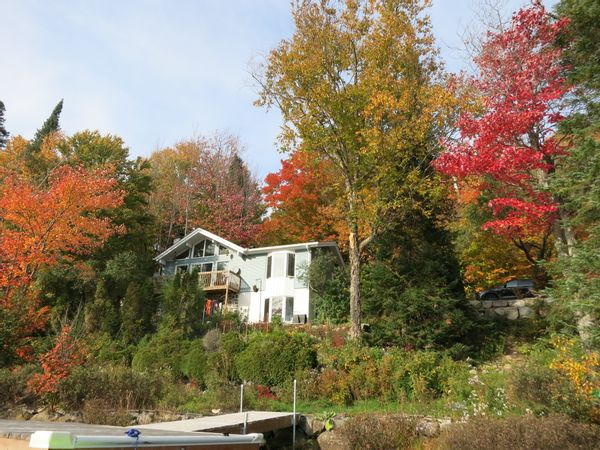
{"x": 257, "y": 422}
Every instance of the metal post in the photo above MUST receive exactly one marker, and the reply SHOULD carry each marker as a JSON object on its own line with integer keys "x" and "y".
{"x": 245, "y": 423}
{"x": 294, "y": 419}
{"x": 241, "y": 397}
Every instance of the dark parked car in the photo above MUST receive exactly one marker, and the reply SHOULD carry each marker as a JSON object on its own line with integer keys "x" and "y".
{"x": 510, "y": 290}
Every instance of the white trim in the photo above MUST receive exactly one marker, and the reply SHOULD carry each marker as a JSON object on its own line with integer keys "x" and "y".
{"x": 199, "y": 231}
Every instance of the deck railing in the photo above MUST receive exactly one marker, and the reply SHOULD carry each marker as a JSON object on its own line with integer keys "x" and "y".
{"x": 221, "y": 279}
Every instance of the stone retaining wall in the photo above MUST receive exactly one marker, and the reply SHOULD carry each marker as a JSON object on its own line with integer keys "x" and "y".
{"x": 524, "y": 308}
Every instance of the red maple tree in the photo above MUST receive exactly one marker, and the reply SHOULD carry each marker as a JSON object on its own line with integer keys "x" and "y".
{"x": 508, "y": 148}
{"x": 57, "y": 363}
{"x": 41, "y": 226}
{"x": 302, "y": 198}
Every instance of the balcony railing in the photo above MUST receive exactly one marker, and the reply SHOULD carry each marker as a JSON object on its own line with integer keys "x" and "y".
{"x": 220, "y": 280}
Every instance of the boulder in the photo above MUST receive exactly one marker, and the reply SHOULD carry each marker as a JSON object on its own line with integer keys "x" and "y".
{"x": 499, "y": 303}
{"x": 43, "y": 416}
{"x": 144, "y": 418}
{"x": 333, "y": 440}
{"x": 526, "y": 312}
{"x": 75, "y": 417}
{"x": 428, "y": 427}
{"x": 445, "y": 423}
{"x": 508, "y": 313}
{"x": 311, "y": 426}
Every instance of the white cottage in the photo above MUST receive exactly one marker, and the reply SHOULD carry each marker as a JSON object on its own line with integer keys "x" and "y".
{"x": 260, "y": 283}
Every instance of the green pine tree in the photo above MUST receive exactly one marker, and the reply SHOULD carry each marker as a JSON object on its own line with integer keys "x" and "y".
{"x": 101, "y": 316}
{"x": 32, "y": 160}
{"x": 137, "y": 311}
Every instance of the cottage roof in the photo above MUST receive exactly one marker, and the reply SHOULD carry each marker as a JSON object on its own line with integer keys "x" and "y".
{"x": 195, "y": 236}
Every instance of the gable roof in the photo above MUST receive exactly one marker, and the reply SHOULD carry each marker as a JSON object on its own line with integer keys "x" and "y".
{"x": 191, "y": 239}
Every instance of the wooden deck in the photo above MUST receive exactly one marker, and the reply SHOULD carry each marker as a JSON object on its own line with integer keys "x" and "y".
{"x": 220, "y": 281}
{"x": 258, "y": 422}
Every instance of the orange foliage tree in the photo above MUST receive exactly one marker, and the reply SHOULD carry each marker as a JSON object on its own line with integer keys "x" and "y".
{"x": 302, "y": 197}
{"x": 57, "y": 363}
{"x": 43, "y": 225}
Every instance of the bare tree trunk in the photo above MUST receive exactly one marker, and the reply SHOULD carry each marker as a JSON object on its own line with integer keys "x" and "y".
{"x": 564, "y": 236}
{"x": 355, "y": 304}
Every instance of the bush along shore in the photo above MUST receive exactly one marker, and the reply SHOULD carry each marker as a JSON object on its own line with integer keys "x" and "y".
{"x": 511, "y": 384}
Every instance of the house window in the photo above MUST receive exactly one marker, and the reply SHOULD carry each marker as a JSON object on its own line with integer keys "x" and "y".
{"x": 223, "y": 250}
{"x": 183, "y": 255}
{"x": 181, "y": 269}
{"x": 222, "y": 265}
{"x": 281, "y": 264}
{"x": 277, "y": 307}
{"x": 199, "y": 250}
{"x": 289, "y": 309}
{"x": 266, "y": 310}
{"x": 206, "y": 267}
{"x": 205, "y": 248}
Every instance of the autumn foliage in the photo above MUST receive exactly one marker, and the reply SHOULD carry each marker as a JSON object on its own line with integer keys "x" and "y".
{"x": 204, "y": 183}
{"x": 510, "y": 146}
{"x": 43, "y": 226}
{"x": 302, "y": 196}
{"x": 57, "y": 363}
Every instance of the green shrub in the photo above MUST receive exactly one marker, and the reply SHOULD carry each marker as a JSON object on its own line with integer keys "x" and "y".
{"x": 100, "y": 412}
{"x": 221, "y": 364}
{"x": 366, "y": 372}
{"x": 272, "y": 359}
{"x": 212, "y": 340}
{"x": 195, "y": 364}
{"x": 103, "y": 349}
{"x": 425, "y": 374}
{"x": 520, "y": 433}
{"x": 163, "y": 351}
{"x": 412, "y": 317}
{"x": 380, "y": 432}
{"x": 544, "y": 389}
{"x": 329, "y": 286}
{"x": 13, "y": 383}
{"x": 114, "y": 387}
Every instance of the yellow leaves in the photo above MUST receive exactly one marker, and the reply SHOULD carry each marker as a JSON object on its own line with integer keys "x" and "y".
{"x": 581, "y": 371}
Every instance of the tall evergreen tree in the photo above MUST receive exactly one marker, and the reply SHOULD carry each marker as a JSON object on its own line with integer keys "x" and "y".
{"x": 33, "y": 161}
{"x": 576, "y": 283}
{"x": 3, "y": 132}
{"x": 51, "y": 124}
{"x": 137, "y": 310}
{"x": 101, "y": 315}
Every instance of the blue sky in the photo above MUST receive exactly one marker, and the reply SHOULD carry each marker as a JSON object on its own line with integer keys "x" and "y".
{"x": 159, "y": 71}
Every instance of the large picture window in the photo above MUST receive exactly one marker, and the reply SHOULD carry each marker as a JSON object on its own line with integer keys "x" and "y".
{"x": 289, "y": 309}
{"x": 208, "y": 248}
{"x": 282, "y": 307}
{"x": 277, "y": 307}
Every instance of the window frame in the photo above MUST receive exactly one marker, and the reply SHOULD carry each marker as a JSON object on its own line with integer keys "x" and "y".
{"x": 179, "y": 268}
{"x": 289, "y": 264}
{"x": 291, "y": 258}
